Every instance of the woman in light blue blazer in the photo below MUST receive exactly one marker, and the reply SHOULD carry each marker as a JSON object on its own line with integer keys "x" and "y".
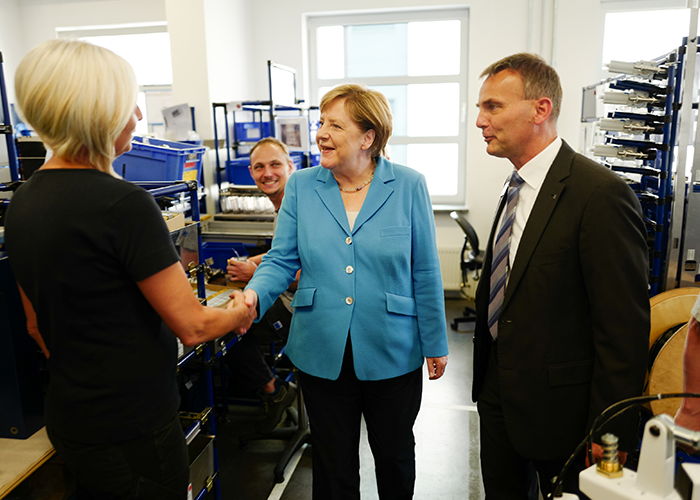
{"x": 370, "y": 304}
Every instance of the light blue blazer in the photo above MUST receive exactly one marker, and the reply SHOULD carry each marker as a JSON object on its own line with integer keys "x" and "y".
{"x": 380, "y": 283}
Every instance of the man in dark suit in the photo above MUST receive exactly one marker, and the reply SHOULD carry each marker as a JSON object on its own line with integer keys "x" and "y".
{"x": 567, "y": 334}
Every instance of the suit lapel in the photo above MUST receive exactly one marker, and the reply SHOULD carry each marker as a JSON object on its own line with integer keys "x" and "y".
{"x": 547, "y": 200}
{"x": 379, "y": 192}
{"x": 488, "y": 256}
{"x": 330, "y": 196}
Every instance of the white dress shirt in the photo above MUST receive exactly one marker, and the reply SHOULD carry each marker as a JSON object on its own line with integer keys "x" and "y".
{"x": 533, "y": 174}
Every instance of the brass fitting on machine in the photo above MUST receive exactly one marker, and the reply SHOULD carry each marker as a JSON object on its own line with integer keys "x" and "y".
{"x": 610, "y": 465}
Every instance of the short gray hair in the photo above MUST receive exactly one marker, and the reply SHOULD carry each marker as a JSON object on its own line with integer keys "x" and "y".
{"x": 539, "y": 78}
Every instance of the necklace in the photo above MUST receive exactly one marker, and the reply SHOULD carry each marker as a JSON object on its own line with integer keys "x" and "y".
{"x": 355, "y": 189}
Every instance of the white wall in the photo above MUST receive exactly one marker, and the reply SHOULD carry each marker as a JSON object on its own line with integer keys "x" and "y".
{"x": 565, "y": 32}
{"x": 221, "y": 48}
{"x": 11, "y": 41}
{"x": 26, "y": 23}
{"x": 11, "y": 48}
{"x": 229, "y": 55}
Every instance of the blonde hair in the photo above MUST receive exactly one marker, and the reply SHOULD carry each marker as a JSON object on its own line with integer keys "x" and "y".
{"x": 539, "y": 78}
{"x": 78, "y": 98}
{"x": 368, "y": 108}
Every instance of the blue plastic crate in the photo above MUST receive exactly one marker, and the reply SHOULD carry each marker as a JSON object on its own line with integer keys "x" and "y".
{"x": 252, "y": 131}
{"x": 160, "y": 160}
{"x": 237, "y": 172}
{"x": 298, "y": 159}
{"x": 220, "y": 252}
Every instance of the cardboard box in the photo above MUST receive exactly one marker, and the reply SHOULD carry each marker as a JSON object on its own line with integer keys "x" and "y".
{"x": 174, "y": 220}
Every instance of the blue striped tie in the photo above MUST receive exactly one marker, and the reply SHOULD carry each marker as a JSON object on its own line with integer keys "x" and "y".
{"x": 501, "y": 251}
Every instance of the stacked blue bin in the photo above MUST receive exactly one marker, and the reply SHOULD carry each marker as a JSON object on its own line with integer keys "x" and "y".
{"x": 159, "y": 160}
{"x": 220, "y": 251}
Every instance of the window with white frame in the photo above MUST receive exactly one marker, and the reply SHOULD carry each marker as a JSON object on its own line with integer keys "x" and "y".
{"x": 418, "y": 60}
{"x": 642, "y": 30}
{"x": 146, "y": 46}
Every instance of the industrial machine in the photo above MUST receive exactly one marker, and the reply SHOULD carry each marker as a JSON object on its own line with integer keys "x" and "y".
{"x": 656, "y": 477}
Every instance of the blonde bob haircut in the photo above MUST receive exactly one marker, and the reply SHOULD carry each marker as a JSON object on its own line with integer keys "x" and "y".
{"x": 368, "y": 108}
{"x": 78, "y": 98}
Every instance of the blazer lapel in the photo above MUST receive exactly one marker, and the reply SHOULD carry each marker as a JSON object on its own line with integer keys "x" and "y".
{"x": 377, "y": 195}
{"x": 330, "y": 196}
{"x": 485, "y": 280}
{"x": 547, "y": 200}
{"x": 379, "y": 192}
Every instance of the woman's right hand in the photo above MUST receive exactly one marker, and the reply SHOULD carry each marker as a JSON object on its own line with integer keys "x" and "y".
{"x": 247, "y": 313}
{"x": 171, "y": 295}
{"x": 251, "y": 298}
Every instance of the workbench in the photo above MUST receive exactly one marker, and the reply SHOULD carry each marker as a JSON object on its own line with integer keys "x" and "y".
{"x": 19, "y": 458}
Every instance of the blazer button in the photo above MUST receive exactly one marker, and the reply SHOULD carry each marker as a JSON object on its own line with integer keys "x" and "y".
{"x": 349, "y": 269}
{"x": 349, "y": 301}
{"x": 348, "y": 240}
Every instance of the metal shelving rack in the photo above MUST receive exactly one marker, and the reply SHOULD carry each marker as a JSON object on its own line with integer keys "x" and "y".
{"x": 259, "y": 109}
{"x": 205, "y": 355}
{"x": 684, "y": 240}
{"x": 6, "y": 126}
{"x": 282, "y": 102}
{"x": 646, "y": 138}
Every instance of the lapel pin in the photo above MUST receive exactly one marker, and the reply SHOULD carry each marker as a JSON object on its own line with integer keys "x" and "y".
{"x": 554, "y": 196}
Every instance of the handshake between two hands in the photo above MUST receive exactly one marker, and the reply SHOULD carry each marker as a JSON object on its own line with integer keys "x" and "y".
{"x": 245, "y": 304}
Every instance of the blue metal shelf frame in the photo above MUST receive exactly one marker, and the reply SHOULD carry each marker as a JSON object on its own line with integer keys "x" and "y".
{"x": 230, "y": 137}
{"x": 659, "y": 256}
{"x": 655, "y": 187}
{"x": 158, "y": 189}
{"x": 6, "y": 127}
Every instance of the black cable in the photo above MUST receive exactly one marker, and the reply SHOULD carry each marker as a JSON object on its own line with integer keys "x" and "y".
{"x": 618, "y": 408}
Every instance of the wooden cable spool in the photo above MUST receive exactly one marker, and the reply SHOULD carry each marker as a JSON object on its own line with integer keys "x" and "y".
{"x": 670, "y": 313}
{"x": 666, "y": 372}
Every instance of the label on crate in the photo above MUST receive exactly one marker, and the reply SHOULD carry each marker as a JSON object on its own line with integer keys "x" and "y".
{"x": 189, "y": 172}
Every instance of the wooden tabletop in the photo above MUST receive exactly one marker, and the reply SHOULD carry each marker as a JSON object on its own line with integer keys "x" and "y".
{"x": 19, "y": 458}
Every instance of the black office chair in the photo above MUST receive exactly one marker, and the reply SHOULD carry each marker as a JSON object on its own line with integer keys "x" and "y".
{"x": 297, "y": 434}
{"x": 470, "y": 260}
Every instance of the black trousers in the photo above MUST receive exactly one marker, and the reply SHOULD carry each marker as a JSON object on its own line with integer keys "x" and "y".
{"x": 335, "y": 408}
{"x": 507, "y": 474}
{"x": 152, "y": 467}
{"x": 246, "y": 360}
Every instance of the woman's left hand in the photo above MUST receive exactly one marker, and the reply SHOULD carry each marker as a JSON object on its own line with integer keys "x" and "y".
{"x": 436, "y": 367}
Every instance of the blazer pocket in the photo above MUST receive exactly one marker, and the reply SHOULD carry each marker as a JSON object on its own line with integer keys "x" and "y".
{"x": 398, "y": 304}
{"x": 304, "y": 297}
{"x": 395, "y": 231}
{"x": 578, "y": 372}
{"x": 541, "y": 259}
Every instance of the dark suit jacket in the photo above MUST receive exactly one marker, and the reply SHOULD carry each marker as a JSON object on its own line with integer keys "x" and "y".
{"x": 574, "y": 329}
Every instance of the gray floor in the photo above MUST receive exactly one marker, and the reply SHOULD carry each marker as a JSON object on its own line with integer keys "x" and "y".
{"x": 447, "y": 443}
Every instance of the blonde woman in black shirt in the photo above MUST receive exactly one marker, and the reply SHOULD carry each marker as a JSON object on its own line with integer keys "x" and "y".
{"x": 99, "y": 276}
